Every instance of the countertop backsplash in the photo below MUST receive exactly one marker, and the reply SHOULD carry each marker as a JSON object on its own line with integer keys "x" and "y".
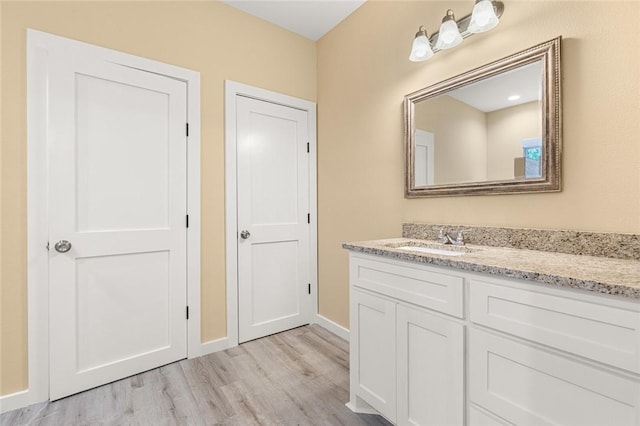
{"x": 616, "y": 246}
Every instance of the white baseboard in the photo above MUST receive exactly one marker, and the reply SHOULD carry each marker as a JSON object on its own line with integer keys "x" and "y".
{"x": 13, "y": 401}
{"x": 333, "y": 327}
{"x": 215, "y": 346}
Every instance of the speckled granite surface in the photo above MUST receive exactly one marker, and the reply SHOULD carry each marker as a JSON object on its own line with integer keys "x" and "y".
{"x": 617, "y": 246}
{"x": 620, "y": 277}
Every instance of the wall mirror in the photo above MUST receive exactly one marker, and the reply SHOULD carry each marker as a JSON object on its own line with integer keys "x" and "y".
{"x": 493, "y": 130}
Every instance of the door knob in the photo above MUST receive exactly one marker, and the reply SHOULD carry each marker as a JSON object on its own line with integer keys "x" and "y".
{"x": 62, "y": 246}
{"x": 245, "y": 234}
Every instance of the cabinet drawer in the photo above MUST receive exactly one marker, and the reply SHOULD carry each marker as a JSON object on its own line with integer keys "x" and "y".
{"x": 414, "y": 284}
{"x": 529, "y": 386}
{"x": 599, "y": 332}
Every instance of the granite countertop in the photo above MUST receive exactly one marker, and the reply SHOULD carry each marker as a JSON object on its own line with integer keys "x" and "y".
{"x": 620, "y": 277}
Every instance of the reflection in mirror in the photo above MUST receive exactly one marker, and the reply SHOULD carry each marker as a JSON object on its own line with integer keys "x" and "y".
{"x": 492, "y": 130}
{"x": 478, "y": 132}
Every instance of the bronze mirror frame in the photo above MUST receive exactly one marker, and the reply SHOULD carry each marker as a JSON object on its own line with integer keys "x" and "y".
{"x": 547, "y": 52}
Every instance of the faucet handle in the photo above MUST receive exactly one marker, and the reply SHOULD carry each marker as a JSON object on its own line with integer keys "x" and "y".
{"x": 460, "y": 236}
{"x": 442, "y": 237}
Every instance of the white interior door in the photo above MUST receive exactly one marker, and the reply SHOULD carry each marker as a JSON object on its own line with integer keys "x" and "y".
{"x": 117, "y": 194}
{"x": 273, "y": 207}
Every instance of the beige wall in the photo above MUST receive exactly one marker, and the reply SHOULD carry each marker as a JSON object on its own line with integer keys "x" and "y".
{"x": 506, "y": 128}
{"x": 460, "y": 139}
{"x": 364, "y": 73}
{"x": 210, "y": 37}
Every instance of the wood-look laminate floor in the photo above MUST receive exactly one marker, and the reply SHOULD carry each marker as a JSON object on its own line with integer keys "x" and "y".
{"x": 298, "y": 377}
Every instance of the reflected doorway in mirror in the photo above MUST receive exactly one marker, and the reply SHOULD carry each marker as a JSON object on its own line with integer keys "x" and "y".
{"x": 425, "y": 155}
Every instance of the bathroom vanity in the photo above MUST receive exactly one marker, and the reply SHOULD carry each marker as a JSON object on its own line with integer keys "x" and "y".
{"x": 493, "y": 336}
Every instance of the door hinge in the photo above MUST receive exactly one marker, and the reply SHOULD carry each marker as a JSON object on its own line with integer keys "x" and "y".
{"x": 187, "y": 221}
{"x": 308, "y": 217}
{"x": 309, "y": 288}
{"x": 307, "y": 147}
{"x": 187, "y": 312}
{"x": 187, "y": 128}
{"x": 47, "y": 246}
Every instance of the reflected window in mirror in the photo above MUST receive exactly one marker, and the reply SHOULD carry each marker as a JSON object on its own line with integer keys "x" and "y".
{"x": 531, "y": 157}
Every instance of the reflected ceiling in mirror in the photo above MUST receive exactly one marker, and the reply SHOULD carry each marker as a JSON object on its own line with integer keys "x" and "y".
{"x": 492, "y": 130}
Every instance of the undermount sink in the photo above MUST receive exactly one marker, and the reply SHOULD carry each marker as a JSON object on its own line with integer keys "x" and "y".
{"x": 432, "y": 250}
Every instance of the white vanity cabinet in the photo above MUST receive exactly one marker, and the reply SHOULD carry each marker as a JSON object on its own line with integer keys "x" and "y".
{"x": 407, "y": 362}
{"x": 553, "y": 358}
{"x": 440, "y": 346}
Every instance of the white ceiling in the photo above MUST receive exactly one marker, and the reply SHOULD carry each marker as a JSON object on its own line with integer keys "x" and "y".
{"x": 309, "y": 18}
{"x": 491, "y": 94}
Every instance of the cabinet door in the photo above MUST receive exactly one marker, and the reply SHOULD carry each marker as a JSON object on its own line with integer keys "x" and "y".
{"x": 430, "y": 378}
{"x": 527, "y": 385}
{"x": 373, "y": 364}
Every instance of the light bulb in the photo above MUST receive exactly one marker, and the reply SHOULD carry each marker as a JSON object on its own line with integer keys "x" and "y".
{"x": 449, "y": 35}
{"x": 483, "y": 17}
{"x": 421, "y": 48}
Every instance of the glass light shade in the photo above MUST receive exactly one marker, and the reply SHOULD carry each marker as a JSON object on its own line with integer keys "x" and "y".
{"x": 483, "y": 17}
{"x": 449, "y": 35}
{"x": 421, "y": 49}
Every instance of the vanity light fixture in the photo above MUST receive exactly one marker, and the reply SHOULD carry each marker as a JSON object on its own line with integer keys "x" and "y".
{"x": 449, "y": 35}
{"x": 485, "y": 16}
{"x": 421, "y": 49}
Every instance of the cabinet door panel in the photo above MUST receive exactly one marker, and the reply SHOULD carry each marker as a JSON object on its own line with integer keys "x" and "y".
{"x": 430, "y": 357}
{"x": 530, "y": 386}
{"x": 373, "y": 351}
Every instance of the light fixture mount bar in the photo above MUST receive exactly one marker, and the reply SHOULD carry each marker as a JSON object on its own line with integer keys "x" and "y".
{"x": 463, "y": 25}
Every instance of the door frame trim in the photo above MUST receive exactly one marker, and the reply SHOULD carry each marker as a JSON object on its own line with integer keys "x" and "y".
{"x": 39, "y": 46}
{"x": 232, "y": 91}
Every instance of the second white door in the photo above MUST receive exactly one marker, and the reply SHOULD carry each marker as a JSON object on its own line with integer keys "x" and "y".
{"x": 273, "y": 218}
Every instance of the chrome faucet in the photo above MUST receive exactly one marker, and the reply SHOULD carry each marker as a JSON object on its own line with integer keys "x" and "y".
{"x": 445, "y": 238}
{"x": 460, "y": 237}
